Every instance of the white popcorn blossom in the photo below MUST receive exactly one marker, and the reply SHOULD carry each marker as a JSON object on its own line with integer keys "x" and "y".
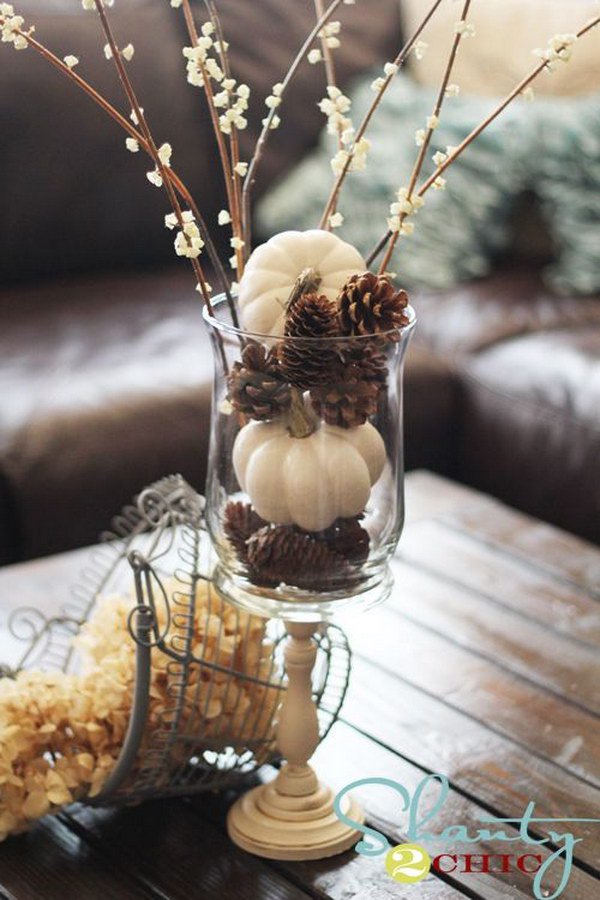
{"x": 132, "y": 145}
{"x": 420, "y": 137}
{"x": 334, "y": 106}
{"x": 314, "y": 56}
{"x": 155, "y": 178}
{"x": 559, "y": 49}
{"x": 241, "y": 169}
{"x": 357, "y": 156}
{"x": 199, "y": 62}
{"x": 439, "y": 184}
{"x": 336, "y": 220}
{"x": 237, "y": 243}
{"x": 88, "y": 4}
{"x": 188, "y": 241}
{"x": 108, "y": 51}
{"x": 207, "y": 29}
{"x": 224, "y": 217}
{"x": 464, "y": 29}
{"x": 272, "y": 122}
{"x": 272, "y": 102}
{"x": 12, "y": 28}
{"x": 420, "y": 49}
{"x": 134, "y": 116}
{"x": 432, "y": 122}
{"x": 277, "y": 89}
{"x": 243, "y": 91}
{"x": 329, "y": 34}
{"x": 377, "y": 85}
{"x": 390, "y": 69}
{"x": 127, "y": 52}
{"x": 221, "y": 46}
{"x": 403, "y": 207}
{"x": 452, "y": 90}
{"x": 71, "y": 61}
{"x": 233, "y": 262}
{"x": 208, "y": 289}
{"x": 165, "y": 151}
{"x": 439, "y": 157}
{"x": 176, "y": 3}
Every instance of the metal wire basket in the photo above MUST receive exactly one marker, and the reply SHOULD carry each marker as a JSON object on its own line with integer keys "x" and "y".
{"x": 158, "y": 547}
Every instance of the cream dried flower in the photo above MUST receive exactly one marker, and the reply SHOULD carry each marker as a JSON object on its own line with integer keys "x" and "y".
{"x": 71, "y": 61}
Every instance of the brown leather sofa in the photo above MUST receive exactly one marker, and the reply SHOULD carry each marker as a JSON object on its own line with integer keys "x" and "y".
{"x": 105, "y": 368}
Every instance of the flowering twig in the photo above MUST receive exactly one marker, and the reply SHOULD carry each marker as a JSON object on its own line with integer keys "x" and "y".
{"x": 457, "y": 151}
{"x": 360, "y": 133}
{"x": 157, "y": 156}
{"x": 134, "y": 134}
{"x": 236, "y": 207}
{"x": 219, "y": 135}
{"x": 264, "y": 134}
{"x": 432, "y": 123}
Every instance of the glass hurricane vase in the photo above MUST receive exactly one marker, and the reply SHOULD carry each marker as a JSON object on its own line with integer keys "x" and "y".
{"x": 305, "y": 505}
{"x": 305, "y": 500}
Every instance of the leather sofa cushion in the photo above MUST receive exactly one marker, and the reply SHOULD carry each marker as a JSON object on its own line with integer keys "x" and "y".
{"x": 482, "y": 313}
{"x": 105, "y": 386}
{"x": 530, "y": 425}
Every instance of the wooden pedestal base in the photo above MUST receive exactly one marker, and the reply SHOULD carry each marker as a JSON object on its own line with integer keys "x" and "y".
{"x": 291, "y": 818}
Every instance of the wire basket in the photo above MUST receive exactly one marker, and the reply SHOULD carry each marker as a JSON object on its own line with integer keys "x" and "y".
{"x": 158, "y": 546}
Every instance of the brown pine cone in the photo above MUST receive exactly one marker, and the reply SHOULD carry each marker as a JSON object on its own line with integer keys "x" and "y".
{"x": 284, "y": 554}
{"x": 370, "y": 304}
{"x": 240, "y": 521}
{"x": 301, "y": 362}
{"x": 348, "y": 538}
{"x": 350, "y": 396}
{"x": 255, "y": 384}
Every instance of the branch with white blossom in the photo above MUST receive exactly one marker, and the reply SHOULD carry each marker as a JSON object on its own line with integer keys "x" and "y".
{"x": 347, "y": 159}
{"x": 404, "y": 206}
{"x": 272, "y": 120}
{"x": 559, "y": 49}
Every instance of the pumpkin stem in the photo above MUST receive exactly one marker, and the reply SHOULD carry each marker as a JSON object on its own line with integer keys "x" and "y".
{"x": 299, "y": 422}
{"x": 307, "y": 282}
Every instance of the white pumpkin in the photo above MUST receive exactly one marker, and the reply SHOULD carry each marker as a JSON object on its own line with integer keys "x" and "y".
{"x": 308, "y": 481}
{"x": 274, "y": 267}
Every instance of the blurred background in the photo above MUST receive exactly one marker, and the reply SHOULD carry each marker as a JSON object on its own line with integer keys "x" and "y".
{"x": 105, "y": 369}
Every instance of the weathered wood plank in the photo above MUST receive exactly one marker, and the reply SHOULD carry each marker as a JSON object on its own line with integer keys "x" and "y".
{"x": 164, "y": 844}
{"x": 500, "y": 774}
{"x": 462, "y": 560}
{"x": 347, "y": 756}
{"x": 52, "y": 863}
{"x": 552, "y": 660}
{"x": 550, "y": 727}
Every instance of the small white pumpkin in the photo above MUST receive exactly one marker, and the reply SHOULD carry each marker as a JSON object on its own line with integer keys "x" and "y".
{"x": 308, "y": 481}
{"x": 274, "y": 267}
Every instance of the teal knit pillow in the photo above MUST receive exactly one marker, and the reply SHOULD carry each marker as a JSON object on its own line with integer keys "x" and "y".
{"x": 552, "y": 146}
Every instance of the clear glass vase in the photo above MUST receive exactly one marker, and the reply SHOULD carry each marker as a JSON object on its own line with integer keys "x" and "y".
{"x": 305, "y": 491}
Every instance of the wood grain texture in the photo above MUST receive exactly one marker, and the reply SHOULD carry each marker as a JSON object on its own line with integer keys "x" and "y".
{"x": 483, "y": 666}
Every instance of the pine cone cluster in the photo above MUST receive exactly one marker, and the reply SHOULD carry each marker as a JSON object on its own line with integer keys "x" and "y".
{"x": 282, "y": 553}
{"x": 240, "y": 521}
{"x": 302, "y": 362}
{"x": 370, "y": 304}
{"x": 256, "y": 387}
{"x": 274, "y": 554}
{"x": 352, "y": 392}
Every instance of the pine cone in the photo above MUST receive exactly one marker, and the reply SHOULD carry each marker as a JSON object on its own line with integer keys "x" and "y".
{"x": 240, "y": 521}
{"x": 284, "y": 554}
{"x": 370, "y": 304}
{"x": 350, "y": 396}
{"x": 348, "y": 538}
{"x": 302, "y": 363}
{"x": 255, "y": 385}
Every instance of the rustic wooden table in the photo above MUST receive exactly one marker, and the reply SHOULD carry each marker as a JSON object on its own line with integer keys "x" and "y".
{"x": 483, "y": 666}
